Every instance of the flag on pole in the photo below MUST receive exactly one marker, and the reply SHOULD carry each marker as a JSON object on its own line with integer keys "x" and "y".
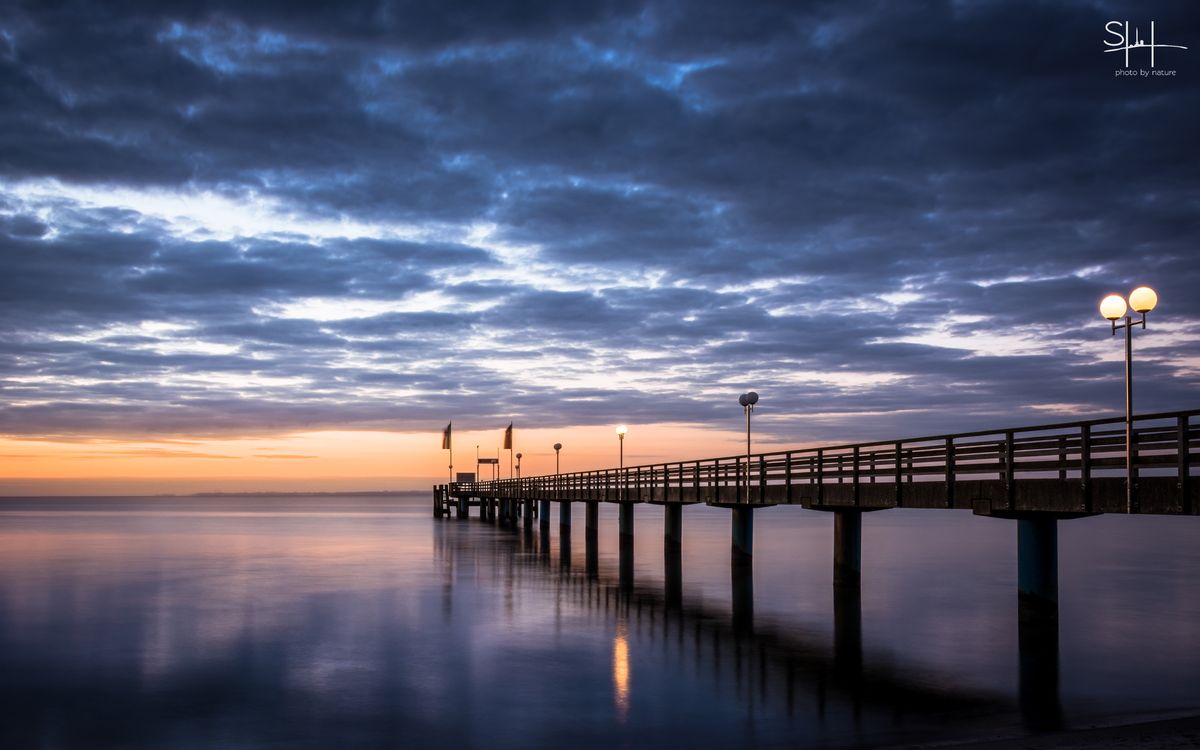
{"x": 446, "y": 437}
{"x": 508, "y": 437}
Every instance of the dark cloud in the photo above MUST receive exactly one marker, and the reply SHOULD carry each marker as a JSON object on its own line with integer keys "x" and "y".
{"x": 892, "y": 218}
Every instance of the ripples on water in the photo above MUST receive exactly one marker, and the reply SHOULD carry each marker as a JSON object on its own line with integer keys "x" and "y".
{"x": 323, "y": 621}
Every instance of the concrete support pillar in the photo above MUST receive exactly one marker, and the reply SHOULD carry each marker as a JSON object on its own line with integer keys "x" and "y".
{"x": 1037, "y": 567}
{"x": 528, "y": 513}
{"x": 847, "y": 548}
{"x": 564, "y": 516}
{"x": 544, "y": 513}
{"x": 673, "y": 527}
{"x": 625, "y": 545}
{"x": 743, "y": 532}
{"x": 591, "y": 552}
{"x": 592, "y": 516}
{"x": 673, "y": 575}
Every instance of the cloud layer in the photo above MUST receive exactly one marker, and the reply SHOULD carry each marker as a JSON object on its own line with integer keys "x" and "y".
{"x": 245, "y": 218}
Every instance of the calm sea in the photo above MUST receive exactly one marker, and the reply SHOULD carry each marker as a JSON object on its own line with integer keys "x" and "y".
{"x": 332, "y": 622}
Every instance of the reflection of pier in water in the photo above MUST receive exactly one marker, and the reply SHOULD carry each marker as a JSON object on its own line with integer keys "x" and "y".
{"x": 769, "y": 665}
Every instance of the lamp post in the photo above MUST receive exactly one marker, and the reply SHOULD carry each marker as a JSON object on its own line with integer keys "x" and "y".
{"x": 557, "y": 448}
{"x": 1142, "y": 300}
{"x": 748, "y": 400}
{"x": 518, "y": 466}
{"x": 621, "y": 430}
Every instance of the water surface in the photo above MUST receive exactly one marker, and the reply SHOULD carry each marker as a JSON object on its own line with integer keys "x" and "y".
{"x": 327, "y": 621}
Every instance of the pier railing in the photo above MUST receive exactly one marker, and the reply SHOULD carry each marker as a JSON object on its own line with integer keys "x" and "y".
{"x": 1065, "y": 467}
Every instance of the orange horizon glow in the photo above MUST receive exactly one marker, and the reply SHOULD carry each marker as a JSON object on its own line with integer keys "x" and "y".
{"x": 332, "y": 461}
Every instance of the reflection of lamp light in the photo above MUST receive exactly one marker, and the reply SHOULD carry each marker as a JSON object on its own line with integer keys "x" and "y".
{"x": 620, "y": 669}
{"x": 621, "y": 431}
{"x": 1142, "y": 300}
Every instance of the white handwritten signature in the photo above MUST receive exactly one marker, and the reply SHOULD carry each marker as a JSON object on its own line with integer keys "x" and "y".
{"x": 1123, "y": 43}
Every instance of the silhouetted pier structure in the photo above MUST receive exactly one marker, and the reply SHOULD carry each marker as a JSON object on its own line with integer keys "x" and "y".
{"x": 1036, "y": 475}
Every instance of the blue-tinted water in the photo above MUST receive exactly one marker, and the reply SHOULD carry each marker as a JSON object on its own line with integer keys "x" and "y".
{"x": 363, "y": 621}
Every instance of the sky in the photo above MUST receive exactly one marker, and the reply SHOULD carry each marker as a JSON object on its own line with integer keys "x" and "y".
{"x": 277, "y": 245}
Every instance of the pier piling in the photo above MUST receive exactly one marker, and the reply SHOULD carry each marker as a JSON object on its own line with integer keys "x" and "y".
{"x": 673, "y": 527}
{"x": 847, "y": 548}
{"x": 1037, "y": 567}
{"x": 743, "y": 532}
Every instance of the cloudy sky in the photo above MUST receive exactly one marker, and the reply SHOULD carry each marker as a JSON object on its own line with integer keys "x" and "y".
{"x": 236, "y": 236}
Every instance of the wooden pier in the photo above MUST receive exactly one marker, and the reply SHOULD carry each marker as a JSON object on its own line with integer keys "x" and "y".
{"x": 1036, "y": 475}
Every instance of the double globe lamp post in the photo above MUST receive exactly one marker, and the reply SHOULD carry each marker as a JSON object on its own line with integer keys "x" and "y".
{"x": 1114, "y": 307}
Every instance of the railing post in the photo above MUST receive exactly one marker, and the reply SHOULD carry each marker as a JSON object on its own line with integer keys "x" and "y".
{"x": 737, "y": 481}
{"x": 820, "y": 475}
{"x": 1062, "y": 457}
{"x": 1010, "y": 491}
{"x": 787, "y": 492}
{"x": 950, "y": 468}
{"x": 1135, "y": 502}
{"x": 855, "y": 476}
{"x": 1085, "y": 465}
{"x": 696, "y": 479}
{"x": 1183, "y": 440}
{"x": 899, "y": 470}
{"x": 762, "y": 479}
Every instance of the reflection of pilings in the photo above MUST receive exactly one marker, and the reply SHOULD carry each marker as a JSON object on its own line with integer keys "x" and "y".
{"x": 564, "y": 545}
{"x": 544, "y": 539}
{"x": 847, "y": 548}
{"x": 1037, "y": 639}
{"x": 847, "y": 635}
{"x": 742, "y": 588}
{"x": 527, "y": 508}
{"x": 777, "y": 661}
{"x": 673, "y": 575}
